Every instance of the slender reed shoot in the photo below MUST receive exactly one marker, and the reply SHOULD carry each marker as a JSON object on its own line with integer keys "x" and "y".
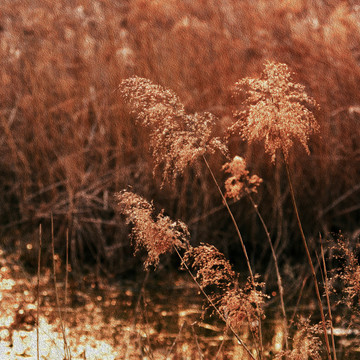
{"x": 66, "y": 347}
{"x": 239, "y": 184}
{"x": 308, "y": 256}
{"x": 327, "y": 293}
{"x": 38, "y": 294}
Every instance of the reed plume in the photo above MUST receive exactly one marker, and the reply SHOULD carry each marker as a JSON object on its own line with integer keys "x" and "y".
{"x": 215, "y": 275}
{"x": 158, "y": 234}
{"x": 278, "y": 111}
{"x": 212, "y": 269}
{"x": 245, "y": 304}
{"x": 306, "y": 343}
{"x": 239, "y": 183}
{"x": 177, "y": 139}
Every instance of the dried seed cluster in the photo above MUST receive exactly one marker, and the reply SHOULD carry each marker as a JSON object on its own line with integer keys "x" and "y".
{"x": 177, "y": 139}
{"x": 277, "y": 111}
{"x": 239, "y": 183}
{"x": 157, "y": 234}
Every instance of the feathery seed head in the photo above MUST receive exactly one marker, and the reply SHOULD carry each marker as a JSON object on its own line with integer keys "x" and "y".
{"x": 239, "y": 183}
{"x": 348, "y": 275}
{"x": 213, "y": 270}
{"x": 177, "y": 139}
{"x": 243, "y": 305}
{"x": 157, "y": 234}
{"x": 306, "y": 343}
{"x": 277, "y": 111}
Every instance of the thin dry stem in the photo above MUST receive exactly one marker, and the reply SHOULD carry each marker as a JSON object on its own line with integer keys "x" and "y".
{"x": 66, "y": 347}
{"x": 233, "y": 221}
{"x": 241, "y": 242}
{"x": 197, "y": 342}
{"x": 183, "y": 262}
{"x": 240, "y": 183}
{"x": 291, "y": 322}
{"x": 318, "y": 296}
{"x": 38, "y": 294}
{"x": 175, "y": 340}
{"x": 326, "y": 282}
{"x": 279, "y": 280}
{"x": 67, "y": 267}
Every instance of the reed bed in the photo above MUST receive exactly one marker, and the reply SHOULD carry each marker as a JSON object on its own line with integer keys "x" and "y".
{"x": 172, "y": 105}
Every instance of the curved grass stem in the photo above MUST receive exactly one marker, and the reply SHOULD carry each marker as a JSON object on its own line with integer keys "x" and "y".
{"x": 234, "y": 222}
{"x": 318, "y": 296}
{"x": 214, "y": 306}
{"x": 279, "y": 280}
{"x": 242, "y": 245}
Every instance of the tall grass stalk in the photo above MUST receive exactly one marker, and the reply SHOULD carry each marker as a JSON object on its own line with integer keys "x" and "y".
{"x": 278, "y": 276}
{"x": 291, "y": 322}
{"x": 38, "y": 295}
{"x": 66, "y": 267}
{"x": 308, "y": 256}
{"x": 67, "y": 351}
{"x": 197, "y": 342}
{"x": 243, "y": 248}
{"x": 241, "y": 342}
{"x": 326, "y": 283}
{"x": 233, "y": 221}
{"x": 175, "y": 340}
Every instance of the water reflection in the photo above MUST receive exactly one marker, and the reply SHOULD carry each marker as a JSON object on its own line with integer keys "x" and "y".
{"x": 165, "y": 320}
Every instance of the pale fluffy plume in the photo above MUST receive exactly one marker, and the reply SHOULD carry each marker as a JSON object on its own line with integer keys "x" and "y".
{"x": 239, "y": 183}
{"x": 243, "y": 305}
{"x": 216, "y": 276}
{"x": 157, "y": 234}
{"x": 177, "y": 139}
{"x": 306, "y": 343}
{"x": 278, "y": 111}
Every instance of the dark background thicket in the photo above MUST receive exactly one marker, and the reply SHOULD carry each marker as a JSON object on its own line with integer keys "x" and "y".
{"x": 68, "y": 142}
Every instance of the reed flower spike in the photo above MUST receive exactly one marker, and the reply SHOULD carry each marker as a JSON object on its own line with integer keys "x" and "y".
{"x": 212, "y": 269}
{"x": 348, "y": 275}
{"x": 239, "y": 183}
{"x": 306, "y": 343}
{"x": 216, "y": 276}
{"x": 241, "y": 305}
{"x": 157, "y": 234}
{"x": 177, "y": 139}
{"x": 278, "y": 111}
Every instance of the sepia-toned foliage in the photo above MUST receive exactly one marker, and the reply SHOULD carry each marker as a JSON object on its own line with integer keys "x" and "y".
{"x": 68, "y": 140}
{"x": 345, "y": 279}
{"x": 306, "y": 343}
{"x": 157, "y": 234}
{"x": 176, "y": 139}
{"x": 239, "y": 183}
{"x": 277, "y": 111}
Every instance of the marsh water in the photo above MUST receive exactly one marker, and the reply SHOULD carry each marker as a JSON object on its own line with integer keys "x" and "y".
{"x": 150, "y": 316}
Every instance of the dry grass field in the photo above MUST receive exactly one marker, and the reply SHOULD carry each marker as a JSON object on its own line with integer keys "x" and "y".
{"x": 223, "y": 136}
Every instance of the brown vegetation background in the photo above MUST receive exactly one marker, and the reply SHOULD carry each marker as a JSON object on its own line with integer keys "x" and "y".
{"x": 68, "y": 142}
